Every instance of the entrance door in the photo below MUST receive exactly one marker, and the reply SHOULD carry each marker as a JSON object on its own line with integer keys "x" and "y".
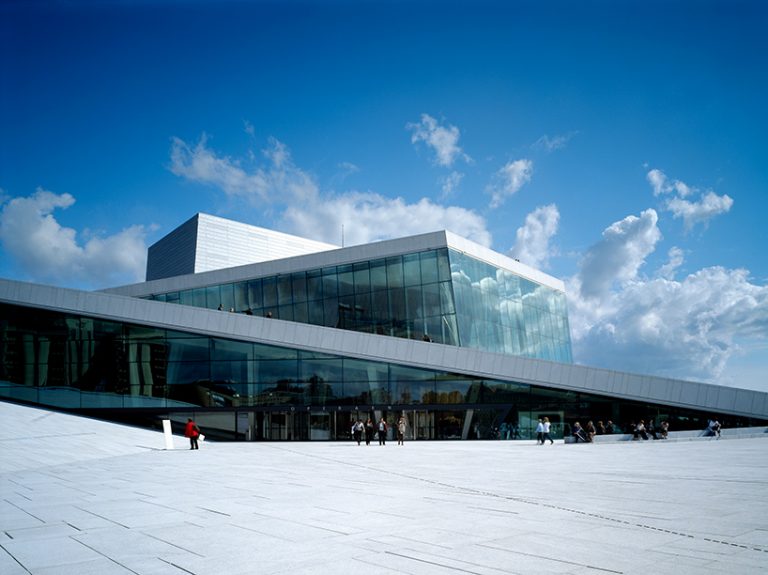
{"x": 319, "y": 426}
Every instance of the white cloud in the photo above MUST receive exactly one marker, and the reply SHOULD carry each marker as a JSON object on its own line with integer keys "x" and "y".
{"x": 509, "y": 179}
{"x": 700, "y": 212}
{"x": 532, "y": 245}
{"x": 692, "y": 212}
{"x": 450, "y": 184}
{"x": 309, "y": 213}
{"x": 368, "y": 217}
{"x": 260, "y": 185}
{"x": 619, "y": 255}
{"x": 688, "y": 329}
{"x": 554, "y": 143}
{"x": 676, "y": 258}
{"x": 658, "y": 181}
{"x": 46, "y": 251}
{"x": 444, "y": 140}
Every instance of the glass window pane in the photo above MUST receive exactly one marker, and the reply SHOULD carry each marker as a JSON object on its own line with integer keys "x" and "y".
{"x": 362, "y": 278}
{"x": 414, "y": 303}
{"x": 314, "y": 285}
{"x": 213, "y": 298}
{"x": 227, "y": 373}
{"x": 363, "y": 311}
{"x": 269, "y": 287}
{"x": 411, "y": 270}
{"x": 255, "y": 295}
{"x": 284, "y": 296}
{"x": 321, "y": 370}
{"x": 276, "y": 371}
{"x": 397, "y": 305}
{"x": 443, "y": 265}
{"x": 428, "y": 267}
{"x": 431, "y": 300}
{"x": 228, "y": 297}
{"x": 189, "y": 372}
{"x": 378, "y": 274}
{"x": 331, "y": 312}
{"x": 299, "y": 287}
{"x": 403, "y": 373}
{"x": 271, "y": 352}
{"x": 285, "y": 312}
{"x": 446, "y": 298}
{"x": 395, "y": 272}
{"x": 193, "y": 349}
{"x": 380, "y": 311}
{"x": 241, "y": 297}
{"x": 359, "y": 370}
{"x": 300, "y": 312}
{"x": 347, "y": 314}
{"x": 144, "y": 332}
{"x": 330, "y": 283}
{"x": 224, "y": 349}
{"x": 346, "y": 280}
{"x": 315, "y": 313}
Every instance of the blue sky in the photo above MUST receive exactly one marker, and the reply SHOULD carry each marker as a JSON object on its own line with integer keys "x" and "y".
{"x": 619, "y": 146}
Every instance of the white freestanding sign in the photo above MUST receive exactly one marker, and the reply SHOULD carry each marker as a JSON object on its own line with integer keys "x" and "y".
{"x": 168, "y": 434}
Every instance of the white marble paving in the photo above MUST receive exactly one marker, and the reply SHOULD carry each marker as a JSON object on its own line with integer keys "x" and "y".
{"x": 82, "y": 496}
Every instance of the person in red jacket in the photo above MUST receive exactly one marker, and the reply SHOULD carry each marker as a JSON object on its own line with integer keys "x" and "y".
{"x": 193, "y": 432}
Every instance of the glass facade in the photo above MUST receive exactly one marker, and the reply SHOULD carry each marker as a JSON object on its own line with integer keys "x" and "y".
{"x": 243, "y": 390}
{"x": 442, "y": 295}
{"x": 503, "y": 312}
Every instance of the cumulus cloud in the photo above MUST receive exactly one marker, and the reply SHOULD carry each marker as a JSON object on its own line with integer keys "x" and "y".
{"x": 368, "y": 217}
{"x": 676, "y": 259}
{"x": 444, "y": 140}
{"x": 692, "y": 212}
{"x": 532, "y": 244}
{"x": 619, "y": 255}
{"x": 700, "y": 212}
{"x": 688, "y": 329}
{"x": 508, "y": 180}
{"x": 259, "y": 185}
{"x": 308, "y": 212}
{"x": 47, "y": 251}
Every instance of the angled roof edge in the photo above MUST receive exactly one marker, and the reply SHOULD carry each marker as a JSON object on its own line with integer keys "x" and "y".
{"x": 621, "y": 385}
{"x": 339, "y": 256}
{"x": 497, "y": 259}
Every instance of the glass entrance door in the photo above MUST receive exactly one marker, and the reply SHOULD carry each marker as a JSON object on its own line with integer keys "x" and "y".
{"x": 319, "y": 426}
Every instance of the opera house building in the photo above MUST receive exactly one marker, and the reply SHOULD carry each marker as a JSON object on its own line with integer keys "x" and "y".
{"x": 259, "y": 336}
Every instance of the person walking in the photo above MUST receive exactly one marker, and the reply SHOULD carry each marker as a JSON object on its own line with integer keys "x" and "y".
{"x": 382, "y": 432}
{"x": 357, "y": 431}
{"x": 546, "y": 435}
{"x": 192, "y": 431}
{"x": 369, "y": 431}
{"x": 540, "y": 432}
{"x": 401, "y": 427}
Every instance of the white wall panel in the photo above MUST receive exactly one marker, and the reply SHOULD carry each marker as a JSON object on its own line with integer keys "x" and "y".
{"x": 744, "y": 400}
{"x": 689, "y": 392}
{"x": 727, "y": 398}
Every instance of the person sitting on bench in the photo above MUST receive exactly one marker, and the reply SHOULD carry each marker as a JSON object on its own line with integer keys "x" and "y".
{"x": 578, "y": 433}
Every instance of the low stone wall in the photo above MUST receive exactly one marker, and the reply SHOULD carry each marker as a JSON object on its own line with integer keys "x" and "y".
{"x": 689, "y": 435}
